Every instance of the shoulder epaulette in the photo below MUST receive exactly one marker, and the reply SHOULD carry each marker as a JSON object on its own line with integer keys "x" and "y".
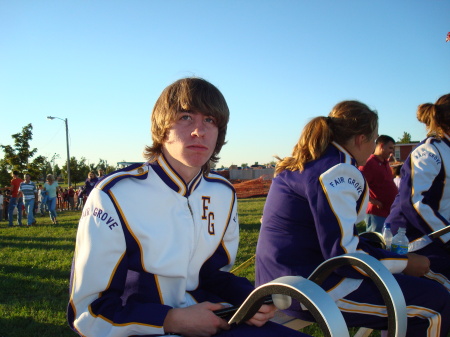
{"x": 136, "y": 171}
{"x": 214, "y": 177}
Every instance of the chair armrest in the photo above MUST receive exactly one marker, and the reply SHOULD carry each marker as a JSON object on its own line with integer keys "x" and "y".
{"x": 383, "y": 279}
{"x": 312, "y": 296}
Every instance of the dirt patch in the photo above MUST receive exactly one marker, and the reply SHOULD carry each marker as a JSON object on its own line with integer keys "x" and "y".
{"x": 252, "y": 188}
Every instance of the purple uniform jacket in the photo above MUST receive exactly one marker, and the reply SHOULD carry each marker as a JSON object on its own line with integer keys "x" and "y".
{"x": 310, "y": 216}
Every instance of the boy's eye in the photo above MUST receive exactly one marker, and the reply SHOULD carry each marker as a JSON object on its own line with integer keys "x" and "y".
{"x": 210, "y": 119}
{"x": 186, "y": 117}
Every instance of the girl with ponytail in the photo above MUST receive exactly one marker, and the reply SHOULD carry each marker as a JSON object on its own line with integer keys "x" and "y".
{"x": 423, "y": 202}
{"x": 436, "y": 117}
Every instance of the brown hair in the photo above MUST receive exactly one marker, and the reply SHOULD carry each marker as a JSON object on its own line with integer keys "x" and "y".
{"x": 346, "y": 119}
{"x": 436, "y": 116}
{"x": 187, "y": 94}
{"x": 384, "y": 139}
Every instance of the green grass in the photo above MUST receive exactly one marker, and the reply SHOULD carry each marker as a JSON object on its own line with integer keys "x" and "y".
{"x": 34, "y": 275}
{"x": 249, "y": 211}
{"x": 35, "y": 267}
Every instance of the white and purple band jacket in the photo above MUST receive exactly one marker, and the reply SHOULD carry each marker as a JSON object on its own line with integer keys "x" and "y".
{"x": 146, "y": 243}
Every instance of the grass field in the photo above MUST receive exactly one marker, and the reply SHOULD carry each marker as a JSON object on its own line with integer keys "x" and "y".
{"x": 35, "y": 267}
{"x": 34, "y": 272}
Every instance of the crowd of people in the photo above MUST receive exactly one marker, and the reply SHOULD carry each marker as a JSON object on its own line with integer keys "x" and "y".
{"x": 25, "y": 199}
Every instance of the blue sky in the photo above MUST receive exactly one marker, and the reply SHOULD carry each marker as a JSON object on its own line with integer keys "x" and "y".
{"x": 102, "y": 65}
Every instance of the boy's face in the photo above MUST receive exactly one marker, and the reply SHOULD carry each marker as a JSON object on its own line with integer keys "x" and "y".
{"x": 190, "y": 142}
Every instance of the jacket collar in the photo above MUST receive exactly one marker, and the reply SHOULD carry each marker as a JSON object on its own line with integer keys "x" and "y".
{"x": 172, "y": 179}
{"x": 347, "y": 157}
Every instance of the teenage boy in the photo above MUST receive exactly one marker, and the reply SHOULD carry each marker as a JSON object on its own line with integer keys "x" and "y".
{"x": 156, "y": 241}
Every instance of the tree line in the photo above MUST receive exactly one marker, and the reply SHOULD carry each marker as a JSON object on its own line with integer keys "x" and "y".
{"x": 20, "y": 157}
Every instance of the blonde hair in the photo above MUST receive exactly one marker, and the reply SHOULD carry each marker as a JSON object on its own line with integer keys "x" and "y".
{"x": 436, "y": 117}
{"x": 187, "y": 94}
{"x": 346, "y": 119}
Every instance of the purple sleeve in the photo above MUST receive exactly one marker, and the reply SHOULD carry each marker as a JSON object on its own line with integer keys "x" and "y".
{"x": 226, "y": 286}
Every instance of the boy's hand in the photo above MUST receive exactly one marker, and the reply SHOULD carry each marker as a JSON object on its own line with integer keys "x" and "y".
{"x": 196, "y": 320}
{"x": 265, "y": 313}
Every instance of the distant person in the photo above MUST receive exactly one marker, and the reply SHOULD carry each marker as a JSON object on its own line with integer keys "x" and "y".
{"x": 42, "y": 195}
{"x": 65, "y": 196}
{"x": 423, "y": 204}
{"x": 396, "y": 172}
{"x": 71, "y": 198}
{"x": 30, "y": 194}
{"x": 51, "y": 187}
{"x": 79, "y": 194}
{"x": 90, "y": 183}
{"x": 314, "y": 203}
{"x": 383, "y": 190}
{"x": 101, "y": 173}
{"x": 59, "y": 199}
{"x": 156, "y": 241}
{"x": 6, "y": 199}
{"x": 16, "y": 200}
{"x": 37, "y": 202}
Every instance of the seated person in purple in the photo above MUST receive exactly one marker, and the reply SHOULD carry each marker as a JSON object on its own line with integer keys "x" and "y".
{"x": 423, "y": 204}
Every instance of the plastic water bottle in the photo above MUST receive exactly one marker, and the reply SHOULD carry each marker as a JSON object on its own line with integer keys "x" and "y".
{"x": 400, "y": 242}
{"x": 387, "y": 235}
